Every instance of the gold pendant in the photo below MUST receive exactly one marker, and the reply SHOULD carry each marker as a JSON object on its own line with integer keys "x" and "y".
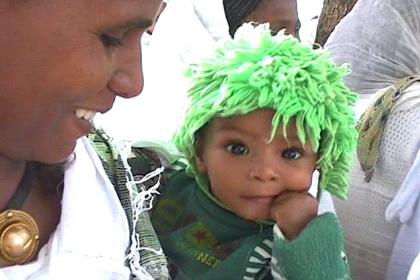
{"x": 19, "y": 237}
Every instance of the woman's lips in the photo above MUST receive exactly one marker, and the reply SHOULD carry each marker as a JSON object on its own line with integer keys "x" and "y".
{"x": 84, "y": 118}
{"x": 85, "y": 114}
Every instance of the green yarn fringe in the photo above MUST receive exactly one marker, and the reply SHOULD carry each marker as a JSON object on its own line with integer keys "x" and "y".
{"x": 257, "y": 70}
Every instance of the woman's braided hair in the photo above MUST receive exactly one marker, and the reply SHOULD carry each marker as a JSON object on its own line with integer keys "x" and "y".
{"x": 237, "y": 11}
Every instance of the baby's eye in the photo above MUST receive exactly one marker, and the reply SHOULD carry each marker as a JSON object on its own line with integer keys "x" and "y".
{"x": 110, "y": 41}
{"x": 292, "y": 154}
{"x": 237, "y": 149}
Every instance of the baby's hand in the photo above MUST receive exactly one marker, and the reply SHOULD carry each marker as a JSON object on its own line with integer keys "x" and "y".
{"x": 292, "y": 211}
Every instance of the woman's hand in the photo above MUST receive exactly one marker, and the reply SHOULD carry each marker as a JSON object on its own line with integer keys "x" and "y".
{"x": 292, "y": 211}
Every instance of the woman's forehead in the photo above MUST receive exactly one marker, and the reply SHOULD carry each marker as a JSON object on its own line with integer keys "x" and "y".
{"x": 120, "y": 12}
{"x": 104, "y": 11}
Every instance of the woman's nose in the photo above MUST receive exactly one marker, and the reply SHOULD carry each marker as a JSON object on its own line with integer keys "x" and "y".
{"x": 127, "y": 79}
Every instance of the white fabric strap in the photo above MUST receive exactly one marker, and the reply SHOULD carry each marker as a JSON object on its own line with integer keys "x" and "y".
{"x": 404, "y": 203}
{"x": 406, "y": 208}
{"x": 415, "y": 270}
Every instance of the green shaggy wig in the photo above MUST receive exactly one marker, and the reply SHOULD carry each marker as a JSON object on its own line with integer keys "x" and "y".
{"x": 256, "y": 71}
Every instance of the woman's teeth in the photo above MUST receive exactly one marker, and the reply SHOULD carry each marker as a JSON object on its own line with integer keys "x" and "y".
{"x": 85, "y": 114}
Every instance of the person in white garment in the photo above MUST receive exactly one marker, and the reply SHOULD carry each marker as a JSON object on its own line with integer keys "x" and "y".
{"x": 67, "y": 206}
{"x": 381, "y": 219}
{"x": 186, "y": 31}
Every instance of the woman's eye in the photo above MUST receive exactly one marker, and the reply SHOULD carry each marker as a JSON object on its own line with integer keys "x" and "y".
{"x": 237, "y": 149}
{"x": 110, "y": 41}
{"x": 292, "y": 154}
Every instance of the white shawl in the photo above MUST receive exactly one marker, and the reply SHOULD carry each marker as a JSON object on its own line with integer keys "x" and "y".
{"x": 92, "y": 236}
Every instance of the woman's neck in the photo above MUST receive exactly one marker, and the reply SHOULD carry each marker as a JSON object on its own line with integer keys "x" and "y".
{"x": 11, "y": 173}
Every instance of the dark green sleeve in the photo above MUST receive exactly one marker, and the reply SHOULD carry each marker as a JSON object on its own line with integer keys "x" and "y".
{"x": 317, "y": 254}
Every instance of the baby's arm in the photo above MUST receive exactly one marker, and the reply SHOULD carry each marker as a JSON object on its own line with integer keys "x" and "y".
{"x": 306, "y": 246}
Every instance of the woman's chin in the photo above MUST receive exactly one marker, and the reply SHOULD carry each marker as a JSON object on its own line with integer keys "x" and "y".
{"x": 59, "y": 155}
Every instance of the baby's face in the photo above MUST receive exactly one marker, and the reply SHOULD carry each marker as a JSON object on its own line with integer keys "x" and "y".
{"x": 246, "y": 170}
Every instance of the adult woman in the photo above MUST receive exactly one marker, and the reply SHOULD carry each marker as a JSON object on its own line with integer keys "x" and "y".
{"x": 186, "y": 31}
{"x": 381, "y": 219}
{"x": 62, "y": 62}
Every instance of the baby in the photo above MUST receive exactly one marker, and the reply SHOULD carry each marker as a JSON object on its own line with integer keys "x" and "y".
{"x": 266, "y": 112}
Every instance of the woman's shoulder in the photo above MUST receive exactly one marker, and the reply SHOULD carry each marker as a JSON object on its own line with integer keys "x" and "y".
{"x": 146, "y": 156}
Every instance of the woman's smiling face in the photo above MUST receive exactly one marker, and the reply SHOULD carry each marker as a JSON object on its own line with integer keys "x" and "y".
{"x": 61, "y": 62}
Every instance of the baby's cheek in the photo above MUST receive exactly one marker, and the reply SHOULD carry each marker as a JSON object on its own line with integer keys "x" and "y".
{"x": 303, "y": 182}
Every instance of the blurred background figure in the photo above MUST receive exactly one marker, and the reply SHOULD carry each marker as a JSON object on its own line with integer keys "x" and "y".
{"x": 186, "y": 31}
{"x": 381, "y": 219}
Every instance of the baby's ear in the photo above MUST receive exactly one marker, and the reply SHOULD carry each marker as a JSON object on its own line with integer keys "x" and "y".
{"x": 201, "y": 165}
{"x": 199, "y": 154}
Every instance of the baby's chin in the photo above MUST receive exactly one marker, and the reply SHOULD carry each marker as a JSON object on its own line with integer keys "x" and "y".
{"x": 260, "y": 217}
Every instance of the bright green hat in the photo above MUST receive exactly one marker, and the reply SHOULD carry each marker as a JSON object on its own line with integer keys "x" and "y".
{"x": 256, "y": 70}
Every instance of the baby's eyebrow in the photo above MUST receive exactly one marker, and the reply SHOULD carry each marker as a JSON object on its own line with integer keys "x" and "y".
{"x": 229, "y": 128}
{"x": 293, "y": 137}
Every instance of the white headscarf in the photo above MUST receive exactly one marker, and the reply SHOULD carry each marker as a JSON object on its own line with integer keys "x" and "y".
{"x": 186, "y": 31}
{"x": 381, "y": 40}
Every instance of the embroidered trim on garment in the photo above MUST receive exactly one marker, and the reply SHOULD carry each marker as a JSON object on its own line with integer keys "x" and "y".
{"x": 144, "y": 255}
{"x": 372, "y": 124}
